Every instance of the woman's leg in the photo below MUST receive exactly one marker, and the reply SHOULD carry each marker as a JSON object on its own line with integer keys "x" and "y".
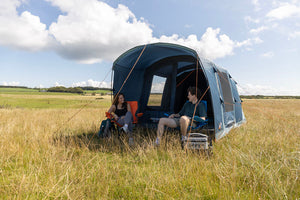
{"x": 127, "y": 119}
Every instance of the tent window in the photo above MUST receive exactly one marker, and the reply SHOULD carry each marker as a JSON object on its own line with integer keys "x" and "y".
{"x": 157, "y": 88}
{"x": 225, "y": 85}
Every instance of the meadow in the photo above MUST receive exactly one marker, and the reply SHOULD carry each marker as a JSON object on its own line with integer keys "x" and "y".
{"x": 50, "y": 150}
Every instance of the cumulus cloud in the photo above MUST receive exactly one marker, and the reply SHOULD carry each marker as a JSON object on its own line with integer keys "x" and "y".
{"x": 23, "y": 31}
{"x": 90, "y": 31}
{"x": 285, "y": 10}
{"x": 211, "y": 45}
{"x": 252, "y": 89}
{"x": 92, "y": 83}
{"x": 12, "y": 83}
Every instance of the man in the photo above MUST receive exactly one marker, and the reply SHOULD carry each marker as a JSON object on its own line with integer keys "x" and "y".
{"x": 183, "y": 118}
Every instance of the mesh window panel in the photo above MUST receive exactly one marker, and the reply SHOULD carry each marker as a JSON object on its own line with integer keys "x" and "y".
{"x": 228, "y": 101}
{"x": 156, "y": 93}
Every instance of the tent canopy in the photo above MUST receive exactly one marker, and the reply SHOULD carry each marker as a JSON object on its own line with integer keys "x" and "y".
{"x": 178, "y": 68}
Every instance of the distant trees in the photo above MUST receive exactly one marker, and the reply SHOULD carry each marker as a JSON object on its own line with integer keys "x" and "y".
{"x": 8, "y": 86}
{"x": 94, "y": 88}
{"x": 64, "y": 89}
{"x": 268, "y": 97}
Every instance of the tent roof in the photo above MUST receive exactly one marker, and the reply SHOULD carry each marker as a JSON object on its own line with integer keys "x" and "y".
{"x": 153, "y": 53}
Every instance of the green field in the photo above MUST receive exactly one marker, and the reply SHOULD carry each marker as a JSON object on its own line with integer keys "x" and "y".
{"x": 49, "y": 150}
{"x": 32, "y": 98}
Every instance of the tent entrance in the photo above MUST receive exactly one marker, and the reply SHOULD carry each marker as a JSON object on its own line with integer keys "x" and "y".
{"x": 186, "y": 79}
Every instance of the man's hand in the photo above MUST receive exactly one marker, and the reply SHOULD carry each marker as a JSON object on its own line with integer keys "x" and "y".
{"x": 172, "y": 116}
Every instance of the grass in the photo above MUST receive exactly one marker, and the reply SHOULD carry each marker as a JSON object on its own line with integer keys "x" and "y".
{"x": 14, "y": 99}
{"x": 48, "y": 154}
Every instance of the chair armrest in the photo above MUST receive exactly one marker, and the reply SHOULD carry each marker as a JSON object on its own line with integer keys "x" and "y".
{"x": 109, "y": 115}
{"x": 139, "y": 114}
{"x": 199, "y": 119}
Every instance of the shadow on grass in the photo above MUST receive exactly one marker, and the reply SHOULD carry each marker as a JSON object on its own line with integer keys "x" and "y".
{"x": 117, "y": 143}
{"x": 91, "y": 141}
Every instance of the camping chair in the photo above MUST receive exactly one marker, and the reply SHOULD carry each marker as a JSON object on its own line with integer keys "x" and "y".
{"x": 197, "y": 121}
{"x": 134, "y": 107}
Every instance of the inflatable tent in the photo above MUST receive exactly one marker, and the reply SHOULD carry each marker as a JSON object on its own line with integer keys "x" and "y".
{"x": 174, "y": 68}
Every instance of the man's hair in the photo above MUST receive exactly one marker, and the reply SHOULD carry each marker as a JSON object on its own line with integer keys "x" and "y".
{"x": 194, "y": 90}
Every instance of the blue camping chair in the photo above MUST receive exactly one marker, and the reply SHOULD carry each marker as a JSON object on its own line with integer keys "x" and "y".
{"x": 199, "y": 123}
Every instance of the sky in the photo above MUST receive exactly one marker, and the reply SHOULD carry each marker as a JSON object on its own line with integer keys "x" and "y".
{"x": 46, "y": 43}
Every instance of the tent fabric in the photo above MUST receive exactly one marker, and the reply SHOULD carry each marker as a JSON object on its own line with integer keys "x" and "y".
{"x": 177, "y": 65}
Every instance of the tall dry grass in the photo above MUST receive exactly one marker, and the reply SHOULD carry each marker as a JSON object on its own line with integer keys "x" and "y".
{"x": 45, "y": 157}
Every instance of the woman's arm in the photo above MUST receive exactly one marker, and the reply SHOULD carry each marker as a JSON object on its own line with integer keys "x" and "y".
{"x": 112, "y": 109}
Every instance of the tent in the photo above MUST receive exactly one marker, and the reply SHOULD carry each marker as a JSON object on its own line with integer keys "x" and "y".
{"x": 174, "y": 68}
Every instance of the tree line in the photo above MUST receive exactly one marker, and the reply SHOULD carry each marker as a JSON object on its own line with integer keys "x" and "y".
{"x": 77, "y": 90}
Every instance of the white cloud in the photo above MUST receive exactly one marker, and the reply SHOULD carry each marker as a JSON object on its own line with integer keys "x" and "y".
{"x": 285, "y": 10}
{"x": 92, "y": 83}
{"x": 12, "y": 83}
{"x": 257, "y": 40}
{"x": 249, "y": 42}
{"x": 269, "y": 54}
{"x": 251, "y": 89}
{"x": 58, "y": 84}
{"x": 258, "y": 30}
{"x": 90, "y": 31}
{"x": 211, "y": 45}
{"x": 22, "y": 32}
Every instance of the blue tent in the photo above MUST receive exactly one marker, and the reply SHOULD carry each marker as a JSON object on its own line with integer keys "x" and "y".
{"x": 176, "y": 65}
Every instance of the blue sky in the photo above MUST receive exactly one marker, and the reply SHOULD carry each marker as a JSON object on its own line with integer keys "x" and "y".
{"x": 45, "y": 43}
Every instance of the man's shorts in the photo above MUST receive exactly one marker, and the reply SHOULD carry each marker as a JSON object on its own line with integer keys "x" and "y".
{"x": 177, "y": 121}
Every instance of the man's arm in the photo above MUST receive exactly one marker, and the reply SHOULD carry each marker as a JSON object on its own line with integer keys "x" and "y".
{"x": 174, "y": 115}
{"x": 202, "y": 111}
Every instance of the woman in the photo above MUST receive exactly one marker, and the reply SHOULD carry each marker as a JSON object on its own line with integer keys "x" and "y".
{"x": 121, "y": 112}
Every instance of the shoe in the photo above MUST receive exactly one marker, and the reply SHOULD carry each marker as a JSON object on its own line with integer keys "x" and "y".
{"x": 130, "y": 142}
{"x": 183, "y": 138}
{"x": 157, "y": 142}
{"x": 125, "y": 128}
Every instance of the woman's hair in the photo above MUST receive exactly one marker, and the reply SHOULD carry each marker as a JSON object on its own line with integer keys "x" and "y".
{"x": 194, "y": 90}
{"x": 116, "y": 101}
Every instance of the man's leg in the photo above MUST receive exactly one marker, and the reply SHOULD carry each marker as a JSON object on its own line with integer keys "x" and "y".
{"x": 184, "y": 124}
{"x": 169, "y": 122}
